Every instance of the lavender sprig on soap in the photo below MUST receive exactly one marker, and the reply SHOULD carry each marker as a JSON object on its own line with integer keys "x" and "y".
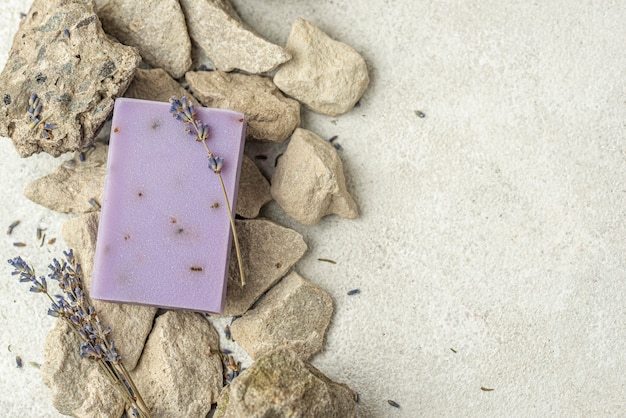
{"x": 73, "y": 308}
{"x": 184, "y": 111}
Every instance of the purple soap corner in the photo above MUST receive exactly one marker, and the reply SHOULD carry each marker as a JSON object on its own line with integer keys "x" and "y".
{"x": 164, "y": 237}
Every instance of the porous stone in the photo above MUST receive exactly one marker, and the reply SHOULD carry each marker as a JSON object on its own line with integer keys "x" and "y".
{"x": 309, "y": 183}
{"x": 268, "y": 251}
{"x": 78, "y": 386}
{"x": 61, "y": 53}
{"x": 70, "y": 187}
{"x": 280, "y": 384}
{"x": 156, "y": 85}
{"x": 180, "y": 372}
{"x": 155, "y": 27}
{"x": 270, "y": 115}
{"x": 294, "y": 313}
{"x": 217, "y": 29}
{"x": 254, "y": 190}
{"x": 325, "y": 75}
{"x": 130, "y": 324}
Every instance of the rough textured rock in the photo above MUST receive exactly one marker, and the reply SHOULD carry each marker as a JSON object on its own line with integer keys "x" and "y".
{"x": 78, "y": 386}
{"x": 177, "y": 375}
{"x": 294, "y": 313}
{"x": 77, "y": 74}
{"x": 268, "y": 251}
{"x": 156, "y": 85}
{"x": 130, "y": 324}
{"x": 308, "y": 182}
{"x": 254, "y": 190}
{"x": 325, "y": 75}
{"x": 271, "y": 116}
{"x": 70, "y": 187}
{"x": 280, "y": 384}
{"x": 217, "y": 29}
{"x": 155, "y": 27}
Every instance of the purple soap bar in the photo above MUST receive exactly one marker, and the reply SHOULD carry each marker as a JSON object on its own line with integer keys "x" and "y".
{"x": 164, "y": 237}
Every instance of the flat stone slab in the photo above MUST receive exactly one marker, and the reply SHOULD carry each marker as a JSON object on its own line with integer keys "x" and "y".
{"x": 61, "y": 54}
{"x": 155, "y": 27}
{"x": 295, "y": 313}
{"x": 309, "y": 183}
{"x": 269, "y": 251}
{"x": 180, "y": 371}
{"x": 156, "y": 85}
{"x": 70, "y": 188}
{"x": 280, "y": 384}
{"x": 78, "y": 386}
{"x": 254, "y": 190}
{"x": 325, "y": 75}
{"x": 271, "y": 116}
{"x": 217, "y": 29}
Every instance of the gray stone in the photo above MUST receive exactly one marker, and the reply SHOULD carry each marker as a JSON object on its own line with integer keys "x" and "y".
{"x": 325, "y": 75}
{"x": 130, "y": 324}
{"x": 268, "y": 251}
{"x": 271, "y": 116}
{"x": 280, "y": 384}
{"x": 78, "y": 386}
{"x": 157, "y": 85}
{"x": 77, "y": 74}
{"x": 309, "y": 183}
{"x": 217, "y": 29}
{"x": 254, "y": 190}
{"x": 70, "y": 187}
{"x": 294, "y": 313}
{"x": 155, "y": 27}
{"x": 180, "y": 373}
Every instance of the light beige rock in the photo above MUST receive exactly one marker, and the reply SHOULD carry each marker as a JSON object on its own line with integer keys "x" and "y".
{"x": 178, "y": 375}
{"x": 76, "y": 74}
{"x": 280, "y": 384}
{"x": 254, "y": 190}
{"x": 294, "y": 313}
{"x": 217, "y": 29}
{"x": 70, "y": 187}
{"x": 130, "y": 324}
{"x": 155, "y": 27}
{"x": 325, "y": 75}
{"x": 270, "y": 115}
{"x": 157, "y": 85}
{"x": 309, "y": 183}
{"x": 78, "y": 386}
{"x": 269, "y": 251}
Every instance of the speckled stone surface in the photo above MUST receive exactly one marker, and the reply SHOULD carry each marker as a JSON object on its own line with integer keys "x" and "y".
{"x": 61, "y": 53}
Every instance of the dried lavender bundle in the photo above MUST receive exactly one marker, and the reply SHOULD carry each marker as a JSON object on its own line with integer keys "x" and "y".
{"x": 72, "y": 307}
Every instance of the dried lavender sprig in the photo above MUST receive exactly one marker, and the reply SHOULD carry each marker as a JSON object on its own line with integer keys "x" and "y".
{"x": 83, "y": 319}
{"x": 184, "y": 111}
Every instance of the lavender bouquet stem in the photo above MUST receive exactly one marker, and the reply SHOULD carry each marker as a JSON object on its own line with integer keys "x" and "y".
{"x": 183, "y": 110}
{"x": 73, "y": 308}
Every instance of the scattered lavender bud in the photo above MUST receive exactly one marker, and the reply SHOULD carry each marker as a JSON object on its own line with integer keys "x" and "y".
{"x": 393, "y": 403}
{"x": 12, "y": 226}
{"x": 18, "y": 362}
{"x": 353, "y": 292}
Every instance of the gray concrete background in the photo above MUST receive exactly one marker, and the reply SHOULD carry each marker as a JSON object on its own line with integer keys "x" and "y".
{"x": 494, "y": 226}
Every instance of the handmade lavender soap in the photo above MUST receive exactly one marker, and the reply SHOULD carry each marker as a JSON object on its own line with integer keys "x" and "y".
{"x": 164, "y": 237}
